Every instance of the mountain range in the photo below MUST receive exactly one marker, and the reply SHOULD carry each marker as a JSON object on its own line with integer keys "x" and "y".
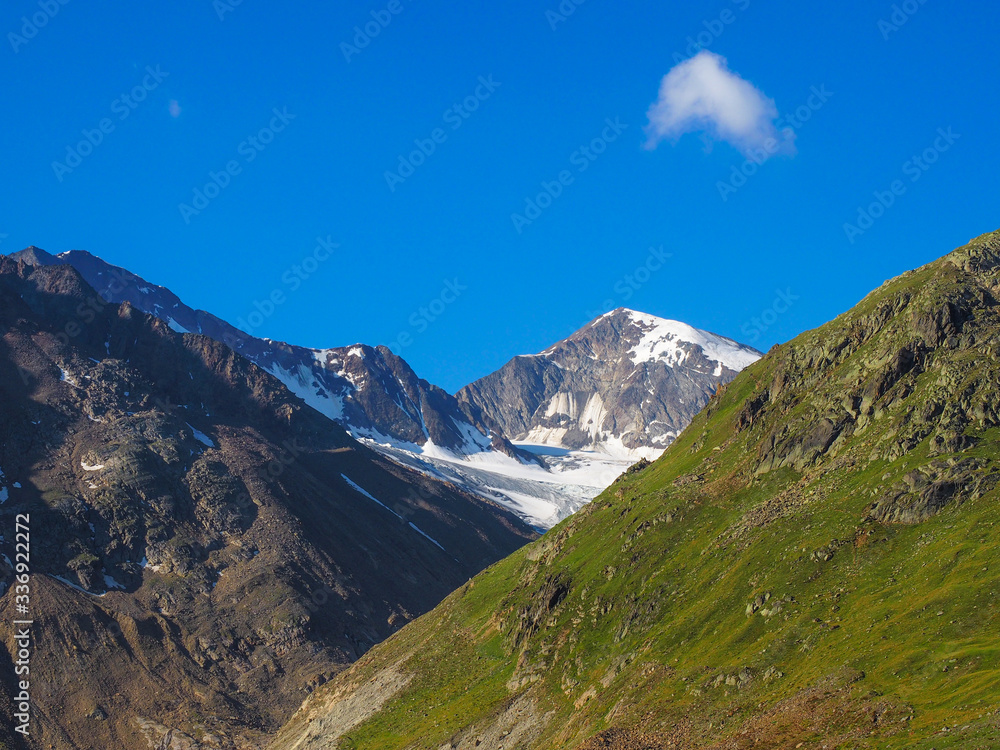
{"x": 229, "y": 522}
{"x": 807, "y": 561}
{"x": 542, "y": 436}
{"x": 813, "y": 563}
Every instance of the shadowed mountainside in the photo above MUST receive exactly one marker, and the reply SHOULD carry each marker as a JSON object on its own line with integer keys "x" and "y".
{"x": 205, "y": 549}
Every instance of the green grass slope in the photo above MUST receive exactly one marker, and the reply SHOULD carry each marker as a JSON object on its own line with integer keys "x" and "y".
{"x": 815, "y": 563}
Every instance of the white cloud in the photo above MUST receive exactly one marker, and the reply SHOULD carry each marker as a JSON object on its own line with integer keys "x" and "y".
{"x": 703, "y": 94}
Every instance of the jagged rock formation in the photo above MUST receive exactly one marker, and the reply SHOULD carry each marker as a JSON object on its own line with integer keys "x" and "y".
{"x": 618, "y": 390}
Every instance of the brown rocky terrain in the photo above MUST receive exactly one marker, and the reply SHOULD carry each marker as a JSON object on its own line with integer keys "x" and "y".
{"x": 205, "y": 549}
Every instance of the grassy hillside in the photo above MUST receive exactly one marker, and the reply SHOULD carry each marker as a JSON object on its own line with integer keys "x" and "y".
{"x": 814, "y": 563}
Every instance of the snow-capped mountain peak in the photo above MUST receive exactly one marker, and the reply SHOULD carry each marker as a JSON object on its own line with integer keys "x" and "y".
{"x": 672, "y": 342}
{"x": 626, "y": 384}
{"x": 579, "y": 413}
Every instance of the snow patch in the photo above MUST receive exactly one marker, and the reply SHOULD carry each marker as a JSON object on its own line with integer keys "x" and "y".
{"x": 305, "y": 384}
{"x": 201, "y": 437}
{"x": 542, "y": 496}
{"x": 75, "y": 587}
{"x": 429, "y": 538}
{"x": 358, "y": 488}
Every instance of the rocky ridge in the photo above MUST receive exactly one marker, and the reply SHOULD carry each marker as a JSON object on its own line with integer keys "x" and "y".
{"x": 625, "y": 384}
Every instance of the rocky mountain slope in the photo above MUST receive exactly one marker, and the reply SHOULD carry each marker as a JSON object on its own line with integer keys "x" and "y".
{"x": 373, "y": 393}
{"x": 204, "y": 549}
{"x": 626, "y": 384}
{"x": 814, "y": 563}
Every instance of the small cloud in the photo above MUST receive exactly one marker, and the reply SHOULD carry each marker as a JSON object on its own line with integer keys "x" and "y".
{"x": 703, "y": 94}
{"x": 175, "y": 108}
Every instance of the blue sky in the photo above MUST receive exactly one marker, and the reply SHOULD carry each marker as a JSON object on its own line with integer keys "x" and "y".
{"x": 440, "y": 242}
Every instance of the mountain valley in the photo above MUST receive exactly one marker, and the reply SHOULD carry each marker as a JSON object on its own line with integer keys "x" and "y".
{"x": 812, "y": 564}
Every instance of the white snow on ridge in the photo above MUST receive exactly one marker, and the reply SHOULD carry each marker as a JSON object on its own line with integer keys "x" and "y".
{"x": 541, "y": 496}
{"x": 304, "y": 384}
{"x": 477, "y": 443}
{"x": 663, "y": 340}
{"x": 431, "y": 539}
{"x": 472, "y": 437}
{"x": 91, "y": 467}
{"x": 75, "y": 587}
